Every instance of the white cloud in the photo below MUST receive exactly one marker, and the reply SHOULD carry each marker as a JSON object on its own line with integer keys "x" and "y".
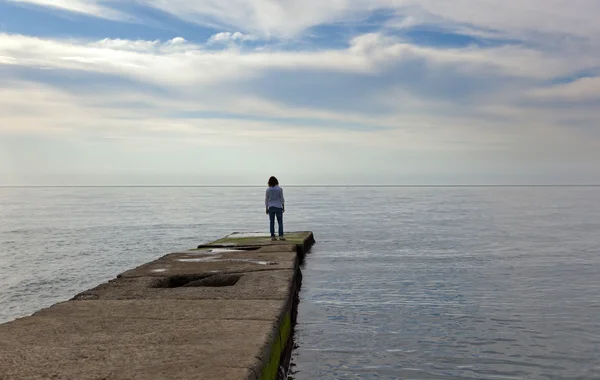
{"x": 528, "y": 20}
{"x": 228, "y": 37}
{"x": 540, "y": 21}
{"x": 418, "y": 124}
{"x": 131, "y": 129}
{"x": 267, "y": 18}
{"x": 179, "y": 63}
{"x": 30, "y": 108}
{"x": 207, "y": 80}
{"x": 7, "y": 60}
{"x": 507, "y": 119}
{"x": 88, "y": 7}
{"x": 584, "y": 89}
{"x": 533, "y": 20}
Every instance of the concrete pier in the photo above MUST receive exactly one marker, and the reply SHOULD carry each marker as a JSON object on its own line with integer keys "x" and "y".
{"x": 225, "y": 310}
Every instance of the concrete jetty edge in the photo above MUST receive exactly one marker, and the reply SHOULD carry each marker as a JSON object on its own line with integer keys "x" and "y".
{"x": 224, "y": 310}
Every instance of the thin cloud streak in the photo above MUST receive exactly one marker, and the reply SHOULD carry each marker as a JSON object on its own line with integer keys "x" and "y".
{"x": 179, "y": 62}
{"x": 87, "y": 7}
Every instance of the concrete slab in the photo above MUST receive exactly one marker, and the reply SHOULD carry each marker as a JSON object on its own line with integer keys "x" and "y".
{"x": 263, "y": 285}
{"x": 79, "y": 370}
{"x": 205, "y": 262}
{"x": 115, "y": 343}
{"x": 221, "y": 336}
{"x": 295, "y": 238}
{"x": 170, "y": 310}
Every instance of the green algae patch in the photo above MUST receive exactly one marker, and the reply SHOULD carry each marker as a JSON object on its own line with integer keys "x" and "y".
{"x": 291, "y": 238}
{"x": 271, "y": 368}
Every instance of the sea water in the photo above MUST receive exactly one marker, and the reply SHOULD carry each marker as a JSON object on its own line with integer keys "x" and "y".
{"x": 403, "y": 283}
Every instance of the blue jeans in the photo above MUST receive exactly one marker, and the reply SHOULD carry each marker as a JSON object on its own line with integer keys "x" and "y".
{"x": 276, "y": 212}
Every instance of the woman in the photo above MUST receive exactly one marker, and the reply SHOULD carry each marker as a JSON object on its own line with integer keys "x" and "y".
{"x": 275, "y": 207}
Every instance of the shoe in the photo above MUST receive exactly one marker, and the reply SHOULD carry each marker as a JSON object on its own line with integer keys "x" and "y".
{"x": 281, "y": 238}
{"x": 273, "y": 238}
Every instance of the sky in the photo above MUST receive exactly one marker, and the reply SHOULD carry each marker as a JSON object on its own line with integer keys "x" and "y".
{"x": 360, "y": 92}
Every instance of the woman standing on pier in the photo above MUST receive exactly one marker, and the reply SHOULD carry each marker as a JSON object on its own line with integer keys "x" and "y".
{"x": 275, "y": 207}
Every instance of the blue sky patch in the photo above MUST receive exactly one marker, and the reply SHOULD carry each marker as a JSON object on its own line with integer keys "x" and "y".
{"x": 150, "y": 24}
{"x": 588, "y": 73}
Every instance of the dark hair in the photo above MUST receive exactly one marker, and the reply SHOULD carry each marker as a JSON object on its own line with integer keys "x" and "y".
{"x": 273, "y": 182}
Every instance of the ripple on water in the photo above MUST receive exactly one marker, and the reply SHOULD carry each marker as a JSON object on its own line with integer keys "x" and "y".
{"x": 499, "y": 293}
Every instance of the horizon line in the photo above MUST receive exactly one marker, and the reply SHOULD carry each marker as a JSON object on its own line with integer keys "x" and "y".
{"x": 296, "y": 185}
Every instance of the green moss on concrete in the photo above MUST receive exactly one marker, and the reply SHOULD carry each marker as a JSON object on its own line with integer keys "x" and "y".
{"x": 269, "y": 371}
{"x": 291, "y": 238}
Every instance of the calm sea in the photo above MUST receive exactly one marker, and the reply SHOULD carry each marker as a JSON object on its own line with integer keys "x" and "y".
{"x": 404, "y": 283}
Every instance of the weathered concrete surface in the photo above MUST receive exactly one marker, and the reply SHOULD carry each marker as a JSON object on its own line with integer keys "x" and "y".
{"x": 171, "y": 310}
{"x": 262, "y": 285}
{"x": 206, "y": 262}
{"x": 187, "y": 315}
{"x": 302, "y": 241}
